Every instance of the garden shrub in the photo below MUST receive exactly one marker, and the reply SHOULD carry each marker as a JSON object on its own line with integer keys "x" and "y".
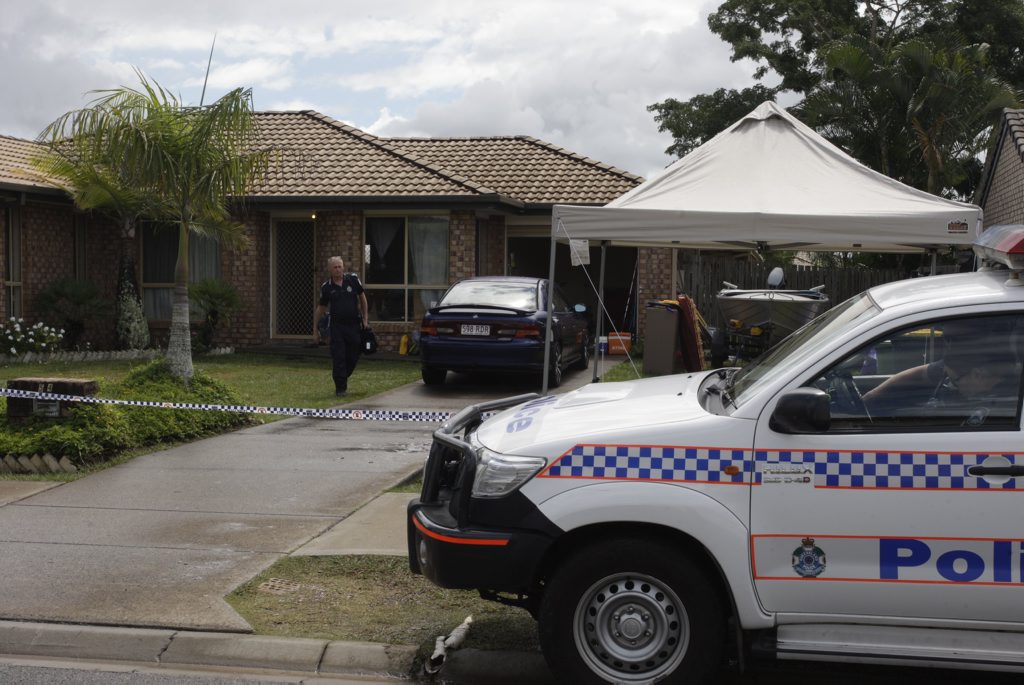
{"x": 155, "y": 382}
{"x": 17, "y": 338}
{"x": 91, "y": 434}
{"x": 96, "y": 432}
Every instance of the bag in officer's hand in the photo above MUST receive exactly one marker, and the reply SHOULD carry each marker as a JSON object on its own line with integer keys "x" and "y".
{"x": 324, "y": 328}
{"x": 369, "y": 341}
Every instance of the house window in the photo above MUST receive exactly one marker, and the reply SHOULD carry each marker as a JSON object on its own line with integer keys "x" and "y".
{"x": 406, "y": 265}
{"x": 12, "y": 270}
{"x": 159, "y": 254}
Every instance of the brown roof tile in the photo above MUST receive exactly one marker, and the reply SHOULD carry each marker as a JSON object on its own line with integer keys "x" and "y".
{"x": 15, "y": 165}
{"x": 525, "y": 168}
{"x": 321, "y": 157}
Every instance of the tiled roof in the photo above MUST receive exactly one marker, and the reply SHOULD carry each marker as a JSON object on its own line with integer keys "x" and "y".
{"x": 15, "y": 167}
{"x": 321, "y": 157}
{"x": 324, "y": 158}
{"x": 525, "y": 168}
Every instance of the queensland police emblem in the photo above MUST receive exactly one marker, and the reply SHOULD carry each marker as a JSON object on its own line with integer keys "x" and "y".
{"x": 808, "y": 560}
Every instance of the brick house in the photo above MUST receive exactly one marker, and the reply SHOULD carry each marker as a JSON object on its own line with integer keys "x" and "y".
{"x": 1001, "y": 193}
{"x": 410, "y": 216}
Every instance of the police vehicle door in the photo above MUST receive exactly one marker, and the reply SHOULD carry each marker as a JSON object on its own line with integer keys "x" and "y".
{"x": 909, "y": 505}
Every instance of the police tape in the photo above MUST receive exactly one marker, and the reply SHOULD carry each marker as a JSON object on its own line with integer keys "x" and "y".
{"x": 344, "y": 414}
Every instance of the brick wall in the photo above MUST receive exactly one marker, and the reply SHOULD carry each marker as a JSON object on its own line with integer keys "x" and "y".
{"x": 461, "y": 246}
{"x": 1005, "y": 202}
{"x": 492, "y": 262}
{"x": 339, "y": 233}
{"x": 248, "y": 269}
{"x": 655, "y": 280}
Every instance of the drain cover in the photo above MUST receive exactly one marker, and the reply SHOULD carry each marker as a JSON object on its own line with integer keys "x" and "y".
{"x": 278, "y": 586}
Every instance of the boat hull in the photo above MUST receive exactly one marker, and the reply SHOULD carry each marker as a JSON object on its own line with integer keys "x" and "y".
{"x": 779, "y": 311}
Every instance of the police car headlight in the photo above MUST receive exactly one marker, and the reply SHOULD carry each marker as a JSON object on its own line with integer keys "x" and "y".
{"x": 499, "y": 474}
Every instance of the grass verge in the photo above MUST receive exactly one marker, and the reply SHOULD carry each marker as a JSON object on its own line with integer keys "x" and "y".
{"x": 374, "y": 599}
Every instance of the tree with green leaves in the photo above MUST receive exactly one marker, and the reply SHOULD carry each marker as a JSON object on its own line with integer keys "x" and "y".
{"x": 191, "y": 161}
{"x": 905, "y": 86}
{"x": 918, "y": 110}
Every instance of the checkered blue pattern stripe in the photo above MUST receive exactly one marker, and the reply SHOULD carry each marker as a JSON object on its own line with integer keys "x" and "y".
{"x": 892, "y": 470}
{"x": 651, "y": 462}
{"x": 345, "y": 414}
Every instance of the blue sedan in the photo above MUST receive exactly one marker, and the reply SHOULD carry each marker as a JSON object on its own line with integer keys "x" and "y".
{"x": 497, "y": 323}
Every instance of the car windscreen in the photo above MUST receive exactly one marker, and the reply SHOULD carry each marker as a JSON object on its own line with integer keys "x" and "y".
{"x": 793, "y": 349}
{"x": 521, "y": 296}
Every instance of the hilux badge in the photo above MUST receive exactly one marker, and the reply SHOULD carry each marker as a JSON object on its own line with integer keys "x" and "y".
{"x": 808, "y": 560}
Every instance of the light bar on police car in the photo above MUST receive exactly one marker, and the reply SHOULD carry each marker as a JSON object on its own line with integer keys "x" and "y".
{"x": 1002, "y": 245}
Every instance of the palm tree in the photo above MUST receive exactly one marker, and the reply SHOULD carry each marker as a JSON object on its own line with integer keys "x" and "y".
{"x": 918, "y": 111}
{"x": 186, "y": 160}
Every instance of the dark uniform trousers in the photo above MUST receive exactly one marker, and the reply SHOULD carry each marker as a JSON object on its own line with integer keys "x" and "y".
{"x": 345, "y": 348}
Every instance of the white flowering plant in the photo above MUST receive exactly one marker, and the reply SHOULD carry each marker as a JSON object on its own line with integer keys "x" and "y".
{"x": 17, "y": 337}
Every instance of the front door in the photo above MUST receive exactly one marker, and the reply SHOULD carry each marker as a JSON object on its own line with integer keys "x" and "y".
{"x": 911, "y": 491}
{"x": 294, "y": 283}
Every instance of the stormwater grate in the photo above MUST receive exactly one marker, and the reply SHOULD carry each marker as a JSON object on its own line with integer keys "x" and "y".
{"x": 278, "y": 586}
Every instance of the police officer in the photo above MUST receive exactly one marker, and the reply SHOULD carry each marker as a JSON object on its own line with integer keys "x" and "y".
{"x": 343, "y": 297}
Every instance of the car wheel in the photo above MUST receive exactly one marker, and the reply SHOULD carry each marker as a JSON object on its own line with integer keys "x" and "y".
{"x": 555, "y": 374}
{"x": 584, "y": 360}
{"x": 631, "y": 611}
{"x": 433, "y": 375}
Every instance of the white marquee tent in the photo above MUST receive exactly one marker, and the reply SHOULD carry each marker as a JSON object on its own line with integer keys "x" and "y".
{"x": 769, "y": 181}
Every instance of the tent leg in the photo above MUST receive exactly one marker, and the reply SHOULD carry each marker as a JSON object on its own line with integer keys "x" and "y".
{"x": 600, "y": 313}
{"x": 547, "y": 325}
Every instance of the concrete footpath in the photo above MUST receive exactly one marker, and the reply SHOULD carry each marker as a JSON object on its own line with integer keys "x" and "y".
{"x": 132, "y": 563}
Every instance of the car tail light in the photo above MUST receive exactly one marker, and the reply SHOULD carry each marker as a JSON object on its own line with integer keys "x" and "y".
{"x": 520, "y": 331}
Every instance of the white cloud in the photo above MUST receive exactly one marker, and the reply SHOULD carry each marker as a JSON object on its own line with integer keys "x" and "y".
{"x": 576, "y": 73}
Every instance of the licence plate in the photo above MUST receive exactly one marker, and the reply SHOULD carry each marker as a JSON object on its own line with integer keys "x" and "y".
{"x": 474, "y": 329}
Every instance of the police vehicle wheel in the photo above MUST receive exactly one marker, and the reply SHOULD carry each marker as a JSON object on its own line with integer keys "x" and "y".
{"x": 555, "y": 374}
{"x": 631, "y": 611}
{"x": 584, "y": 359}
{"x": 433, "y": 375}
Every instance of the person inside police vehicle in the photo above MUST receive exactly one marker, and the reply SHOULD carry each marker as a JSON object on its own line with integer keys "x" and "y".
{"x": 957, "y": 378}
{"x": 972, "y": 378}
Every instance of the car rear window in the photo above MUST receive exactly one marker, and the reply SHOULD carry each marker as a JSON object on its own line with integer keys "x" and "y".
{"x": 494, "y": 293}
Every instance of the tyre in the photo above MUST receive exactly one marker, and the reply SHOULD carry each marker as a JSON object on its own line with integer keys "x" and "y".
{"x": 584, "y": 359}
{"x": 631, "y": 611}
{"x": 433, "y": 375}
{"x": 555, "y": 374}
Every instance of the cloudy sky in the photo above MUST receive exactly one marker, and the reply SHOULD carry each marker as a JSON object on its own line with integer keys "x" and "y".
{"x": 577, "y": 73}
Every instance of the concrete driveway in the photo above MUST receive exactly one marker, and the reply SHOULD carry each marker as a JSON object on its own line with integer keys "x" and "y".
{"x": 159, "y": 541}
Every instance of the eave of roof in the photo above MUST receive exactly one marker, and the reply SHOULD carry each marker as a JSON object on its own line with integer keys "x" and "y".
{"x": 1011, "y": 124}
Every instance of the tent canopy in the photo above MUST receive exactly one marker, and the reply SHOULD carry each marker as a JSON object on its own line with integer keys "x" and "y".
{"x": 770, "y": 181}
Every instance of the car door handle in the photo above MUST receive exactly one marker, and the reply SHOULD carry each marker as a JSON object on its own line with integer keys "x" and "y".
{"x": 1016, "y": 470}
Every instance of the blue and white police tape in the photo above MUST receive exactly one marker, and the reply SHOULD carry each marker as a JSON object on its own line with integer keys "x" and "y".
{"x": 346, "y": 414}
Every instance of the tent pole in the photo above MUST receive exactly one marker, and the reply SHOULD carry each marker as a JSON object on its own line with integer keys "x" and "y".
{"x": 934, "y": 265}
{"x": 550, "y": 297}
{"x": 600, "y": 313}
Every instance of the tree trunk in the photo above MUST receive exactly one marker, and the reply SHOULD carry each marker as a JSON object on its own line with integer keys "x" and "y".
{"x": 179, "y": 343}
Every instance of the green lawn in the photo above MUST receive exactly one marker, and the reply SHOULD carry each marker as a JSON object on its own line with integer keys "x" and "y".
{"x": 259, "y": 379}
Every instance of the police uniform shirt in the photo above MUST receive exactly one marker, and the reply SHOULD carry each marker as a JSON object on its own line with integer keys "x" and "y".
{"x": 342, "y": 301}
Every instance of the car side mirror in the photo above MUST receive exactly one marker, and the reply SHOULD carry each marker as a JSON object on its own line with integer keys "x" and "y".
{"x": 804, "y": 410}
{"x": 580, "y": 308}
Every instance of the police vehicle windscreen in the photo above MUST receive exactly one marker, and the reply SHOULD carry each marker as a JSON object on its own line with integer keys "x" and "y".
{"x": 795, "y": 348}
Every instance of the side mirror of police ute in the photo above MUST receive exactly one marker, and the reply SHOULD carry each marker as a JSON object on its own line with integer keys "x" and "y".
{"x": 804, "y": 410}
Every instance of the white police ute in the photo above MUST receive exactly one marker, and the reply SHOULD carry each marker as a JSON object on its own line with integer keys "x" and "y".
{"x": 856, "y": 494}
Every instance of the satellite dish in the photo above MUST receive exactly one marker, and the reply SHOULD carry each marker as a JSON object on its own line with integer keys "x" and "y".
{"x": 777, "y": 278}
